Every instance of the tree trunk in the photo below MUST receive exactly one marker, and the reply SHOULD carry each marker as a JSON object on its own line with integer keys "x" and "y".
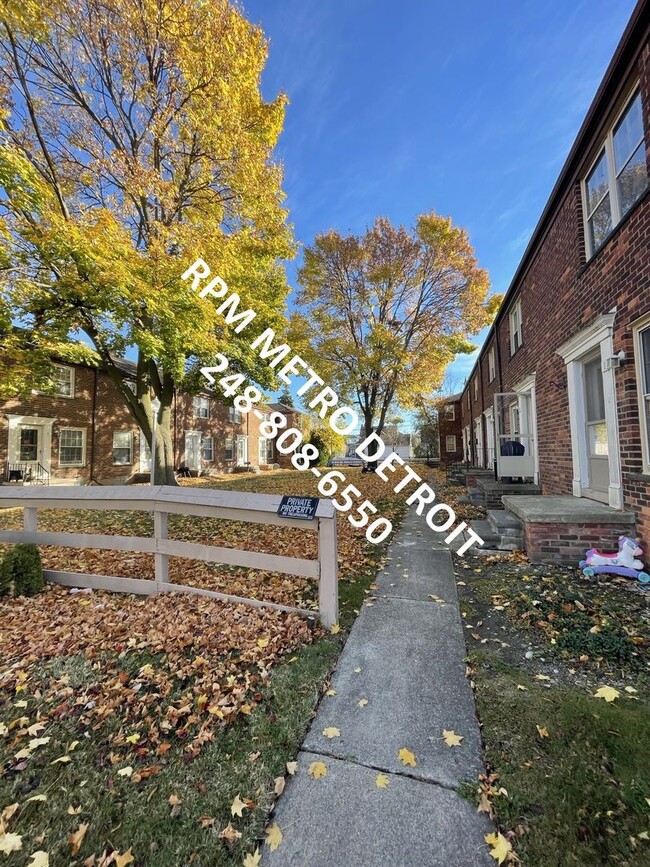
{"x": 163, "y": 471}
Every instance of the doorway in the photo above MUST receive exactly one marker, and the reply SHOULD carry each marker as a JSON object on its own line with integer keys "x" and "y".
{"x": 595, "y": 444}
{"x": 242, "y": 451}
{"x": 193, "y": 449}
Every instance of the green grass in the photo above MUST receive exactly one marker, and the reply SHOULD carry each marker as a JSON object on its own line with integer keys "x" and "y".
{"x": 580, "y": 794}
{"x": 121, "y": 814}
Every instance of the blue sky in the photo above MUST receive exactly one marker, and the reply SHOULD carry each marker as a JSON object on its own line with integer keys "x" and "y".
{"x": 467, "y": 108}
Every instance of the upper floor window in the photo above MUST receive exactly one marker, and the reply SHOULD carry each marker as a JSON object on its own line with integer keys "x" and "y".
{"x": 234, "y": 415}
{"x": 476, "y": 387}
{"x": 491, "y": 365}
{"x": 516, "y": 336}
{"x": 641, "y": 333}
{"x": 201, "y": 407}
{"x": 618, "y": 177}
{"x": 450, "y": 411}
{"x": 63, "y": 381}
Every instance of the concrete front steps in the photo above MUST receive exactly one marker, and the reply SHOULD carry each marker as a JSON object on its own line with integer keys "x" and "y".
{"x": 488, "y": 491}
{"x": 561, "y": 528}
{"x": 501, "y": 532}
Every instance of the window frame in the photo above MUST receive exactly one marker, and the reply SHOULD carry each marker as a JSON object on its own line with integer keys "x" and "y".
{"x": 81, "y": 430}
{"x": 128, "y": 463}
{"x": 231, "y": 449}
{"x": 200, "y": 402}
{"x": 492, "y": 370}
{"x": 475, "y": 387}
{"x": 234, "y": 415}
{"x": 519, "y": 331}
{"x": 447, "y": 438}
{"x": 638, "y": 328}
{"x": 205, "y": 440}
{"x": 70, "y": 396}
{"x": 450, "y": 412}
{"x": 606, "y": 148}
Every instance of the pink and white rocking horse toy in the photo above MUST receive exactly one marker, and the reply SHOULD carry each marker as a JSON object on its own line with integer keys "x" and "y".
{"x": 624, "y": 562}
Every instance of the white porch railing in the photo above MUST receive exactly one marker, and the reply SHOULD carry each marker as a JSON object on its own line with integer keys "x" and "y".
{"x": 163, "y": 501}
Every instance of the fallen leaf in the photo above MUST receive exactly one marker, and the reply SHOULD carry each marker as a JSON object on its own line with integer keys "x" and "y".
{"x": 62, "y": 760}
{"x": 382, "y": 781}
{"x": 406, "y": 757}
{"x": 253, "y": 860}
{"x": 8, "y": 812}
{"x": 631, "y": 690}
{"x": 207, "y": 821}
{"x": 174, "y": 800}
{"x": 292, "y": 767}
{"x": 542, "y": 731}
{"x": 125, "y": 772}
{"x": 331, "y": 692}
{"x": 230, "y": 834}
{"x": 500, "y": 847}
{"x": 279, "y": 784}
{"x": 363, "y": 702}
{"x": 133, "y": 739}
{"x": 263, "y": 642}
{"x": 607, "y": 692}
{"x": 36, "y": 798}
{"x": 123, "y": 860}
{"x": 237, "y": 807}
{"x": 357, "y": 670}
{"x": 542, "y": 677}
{"x": 331, "y": 732}
{"x": 39, "y": 859}
{"x": 523, "y": 688}
{"x": 451, "y": 738}
{"x": 74, "y": 811}
{"x": 317, "y": 770}
{"x": 273, "y": 836}
{"x": 335, "y": 629}
{"x": 10, "y": 843}
{"x": 76, "y": 839}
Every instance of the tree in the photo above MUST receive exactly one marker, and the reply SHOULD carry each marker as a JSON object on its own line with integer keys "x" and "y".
{"x": 387, "y": 310}
{"x": 286, "y": 397}
{"x": 136, "y": 140}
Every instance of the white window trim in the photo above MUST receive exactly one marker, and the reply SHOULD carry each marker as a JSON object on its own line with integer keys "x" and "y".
{"x": 209, "y": 439}
{"x": 637, "y": 327}
{"x": 454, "y": 447}
{"x": 231, "y": 449}
{"x": 128, "y": 463}
{"x": 492, "y": 372}
{"x": 70, "y": 396}
{"x": 607, "y": 146}
{"x": 450, "y": 412}
{"x": 234, "y": 415}
{"x": 83, "y": 447}
{"x": 516, "y": 309}
{"x": 476, "y": 386}
{"x": 198, "y": 403}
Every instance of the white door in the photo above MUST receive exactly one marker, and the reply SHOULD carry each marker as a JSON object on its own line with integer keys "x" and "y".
{"x": 489, "y": 439}
{"x": 242, "y": 451}
{"x": 596, "y": 439}
{"x": 193, "y": 449}
{"x": 478, "y": 442}
{"x": 145, "y": 455}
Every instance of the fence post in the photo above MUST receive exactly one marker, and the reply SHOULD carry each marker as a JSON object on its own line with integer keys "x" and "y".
{"x": 328, "y": 585}
{"x": 161, "y": 560}
{"x": 30, "y": 519}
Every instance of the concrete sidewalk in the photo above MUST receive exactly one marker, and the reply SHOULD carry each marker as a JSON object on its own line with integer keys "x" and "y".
{"x": 404, "y": 662}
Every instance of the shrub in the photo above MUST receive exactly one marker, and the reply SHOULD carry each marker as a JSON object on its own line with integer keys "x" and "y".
{"x": 21, "y": 569}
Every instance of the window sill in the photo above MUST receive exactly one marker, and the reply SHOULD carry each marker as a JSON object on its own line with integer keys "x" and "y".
{"x": 640, "y": 477}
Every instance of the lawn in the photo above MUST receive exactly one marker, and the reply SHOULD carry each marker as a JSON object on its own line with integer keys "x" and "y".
{"x": 568, "y": 773}
{"x": 132, "y": 725}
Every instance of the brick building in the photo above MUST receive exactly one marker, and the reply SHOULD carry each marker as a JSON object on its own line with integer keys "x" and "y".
{"x": 450, "y": 430}
{"x": 565, "y": 369}
{"x": 84, "y": 433}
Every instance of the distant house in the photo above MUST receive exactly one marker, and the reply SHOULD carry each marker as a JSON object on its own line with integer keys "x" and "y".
{"x": 560, "y": 392}
{"x": 450, "y": 430}
{"x": 84, "y": 433}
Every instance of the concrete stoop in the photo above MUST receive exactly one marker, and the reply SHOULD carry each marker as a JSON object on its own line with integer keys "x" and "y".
{"x": 501, "y": 532}
{"x": 493, "y": 490}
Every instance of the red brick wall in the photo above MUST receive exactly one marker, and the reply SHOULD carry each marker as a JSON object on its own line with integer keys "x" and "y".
{"x": 568, "y": 543}
{"x": 561, "y": 293}
{"x": 449, "y": 427}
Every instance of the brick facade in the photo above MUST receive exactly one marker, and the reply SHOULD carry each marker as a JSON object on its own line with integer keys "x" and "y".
{"x": 563, "y": 293}
{"x": 95, "y": 412}
{"x": 449, "y": 425}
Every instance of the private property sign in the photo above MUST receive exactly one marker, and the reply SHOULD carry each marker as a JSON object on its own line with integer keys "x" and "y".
{"x": 303, "y": 508}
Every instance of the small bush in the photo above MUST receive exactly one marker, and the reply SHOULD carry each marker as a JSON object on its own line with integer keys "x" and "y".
{"x": 21, "y": 569}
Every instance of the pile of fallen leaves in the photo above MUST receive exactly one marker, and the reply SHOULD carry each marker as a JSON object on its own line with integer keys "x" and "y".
{"x": 151, "y": 676}
{"x": 451, "y": 494}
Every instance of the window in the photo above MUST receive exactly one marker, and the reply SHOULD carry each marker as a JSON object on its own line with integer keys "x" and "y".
{"x": 123, "y": 447}
{"x": 450, "y": 412}
{"x": 266, "y": 451}
{"x": 476, "y": 387}
{"x": 201, "y": 407}
{"x": 72, "y": 447}
{"x": 63, "y": 381}
{"x": 229, "y": 450}
{"x": 207, "y": 448}
{"x": 642, "y": 355}
{"x": 516, "y": 337}
{"x": 450, "y": 443}
{"x": 28, "y": 445}
{"x": 491, "y": 365}
{"x": 618, "y": 177}
{"x": 234, "y": 415}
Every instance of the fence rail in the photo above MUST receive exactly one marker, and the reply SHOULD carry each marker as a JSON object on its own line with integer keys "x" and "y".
{"x": 163, "y": 501}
